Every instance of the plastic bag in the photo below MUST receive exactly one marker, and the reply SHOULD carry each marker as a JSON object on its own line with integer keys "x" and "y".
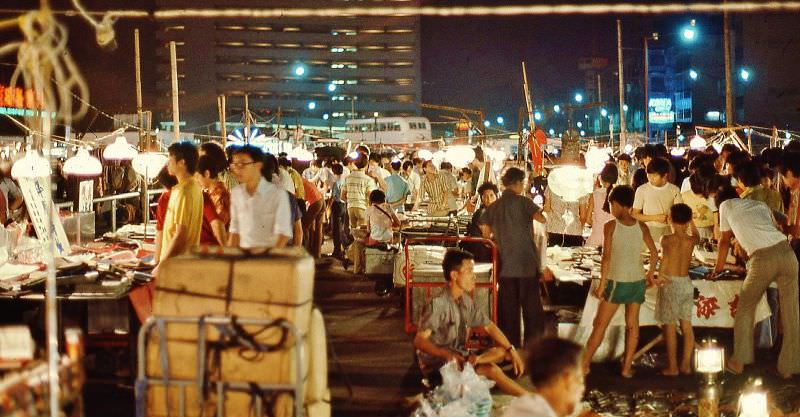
{"x": 462, "y": 393}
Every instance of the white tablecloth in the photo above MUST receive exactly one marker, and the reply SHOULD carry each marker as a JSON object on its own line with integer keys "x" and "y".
{"x": 715, "y": 307}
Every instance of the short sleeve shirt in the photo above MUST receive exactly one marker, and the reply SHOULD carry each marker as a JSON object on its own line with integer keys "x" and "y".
{"x": 511, "y": 221}
{"x": 185, "y": 209}
{"x": 209, "y": 215}
{"x": 161, "y": 210}
{"x": 448, "y": 320}
{"x": 751, "y": 222}
{"x": 656, "y": 200}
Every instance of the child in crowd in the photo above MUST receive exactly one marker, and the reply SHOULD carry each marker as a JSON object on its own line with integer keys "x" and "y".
{"x": 654, "y": 199}
{"x": 380, "y": 219}
{"x": 676, "y": 293}
{"x": 622, "y": 277}
{"x": 598, "y": 212}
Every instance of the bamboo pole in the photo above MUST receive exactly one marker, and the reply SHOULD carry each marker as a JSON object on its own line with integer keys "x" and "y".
{"x": 222, "y": 127}
{"x": 726, "y": 41}
{"x": 246, "y": 119}
{"x": 176, "y": 119}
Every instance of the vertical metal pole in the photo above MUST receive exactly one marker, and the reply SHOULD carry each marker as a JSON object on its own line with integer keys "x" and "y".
{"x": 729, "y": 111}
{"x": 223, "y": 119}
{"x": 176, "y": 119}
{"x": 138, "y": 69}
{"x": 750, "y": 140}
{"x": 599, "y": 89}
{"x": 50, "y": 295}
{"x": 622, "y": 128}
{"x": 646, "y": 92}
{"x": 246, "y": 119}
{"x": 611, "y": 133}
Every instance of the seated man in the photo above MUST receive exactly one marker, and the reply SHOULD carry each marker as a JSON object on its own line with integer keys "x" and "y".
{"x": 558, "y": 380}
{"x": 442, "y": 332}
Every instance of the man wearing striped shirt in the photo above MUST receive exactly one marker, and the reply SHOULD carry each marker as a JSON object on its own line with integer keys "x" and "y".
{"x": 355, "y": 193}
{"x": 436, "y": 187}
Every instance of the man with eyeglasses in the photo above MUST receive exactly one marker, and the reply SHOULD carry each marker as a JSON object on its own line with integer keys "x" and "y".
{"x": 260, "y": 211}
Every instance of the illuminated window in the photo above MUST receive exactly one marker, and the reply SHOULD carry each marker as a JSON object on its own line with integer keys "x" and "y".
{"x": 177, "y": 27}
{"x": 337, "y": 66}
{"x": 231, "y": 44}
{"x": 291, "y": 29}
{"x": 230, "y": 27}
{"x": 373, "y": 47}
{"x": 399, "y": 31}
{"x": 401, "y": 64}
{"x": 288, "y": 45}
{"x": 372, "y": 31}
{"x": 260, "y": 28}
{"x": 260, "y": 44}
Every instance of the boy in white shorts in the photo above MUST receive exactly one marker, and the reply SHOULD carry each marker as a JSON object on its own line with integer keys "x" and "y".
{"x": 675, "y": 300}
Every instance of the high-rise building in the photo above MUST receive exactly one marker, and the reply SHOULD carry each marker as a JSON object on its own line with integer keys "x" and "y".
{"x": 315, "y": 72}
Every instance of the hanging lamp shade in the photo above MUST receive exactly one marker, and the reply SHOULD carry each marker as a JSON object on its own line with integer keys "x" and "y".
{"x": 301, "y": 154}
{"x": 697, "y": 142}
{"x": 148, "y": 164}
{"x": 120, "y": 150}
{"x": 83, "y": 164}
{"x": 32, "y": 165}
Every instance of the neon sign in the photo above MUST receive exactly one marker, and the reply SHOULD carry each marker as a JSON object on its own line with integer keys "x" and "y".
{"x": 18, "y": 101}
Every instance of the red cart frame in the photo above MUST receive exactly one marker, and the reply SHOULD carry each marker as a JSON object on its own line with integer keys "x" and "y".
{"x": 491, "y": 285}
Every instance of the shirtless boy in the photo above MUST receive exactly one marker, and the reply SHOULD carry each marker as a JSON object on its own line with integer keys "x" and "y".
{"x": 676, "y": 293}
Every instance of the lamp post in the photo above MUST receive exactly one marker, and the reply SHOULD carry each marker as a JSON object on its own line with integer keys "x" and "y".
{"x": 654, "y": 37}
{"x": 709, "y": 359}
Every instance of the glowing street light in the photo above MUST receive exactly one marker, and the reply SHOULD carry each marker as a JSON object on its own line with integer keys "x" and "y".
{"x": 486, "y": 123}
{"x": 325, "y": 116}
{"x": 693, "y": 74}
{"x": 580, "y": 125}
{"x": 583, "y": 133}
{"x": 624, "y": 107}
{"x": 500, "y": 120}
{"x": 551, "y": 132}
{"x": 557, "y": 108}
{"x": 689, "y": 33}
{"x": 331, "y": 87}
{"x": 744, "y": 74}
{"x": 579, "y": 97}
{"x": 300, "y": 70}
{"x": 537, "y": 116}
{"x": 603, "y": 112}
{"x": 312, "y": 105}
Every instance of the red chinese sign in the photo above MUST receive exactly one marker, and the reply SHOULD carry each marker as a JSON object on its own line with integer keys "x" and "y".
{"x": 706, "y": 307}
{"x": 733, "y": 305}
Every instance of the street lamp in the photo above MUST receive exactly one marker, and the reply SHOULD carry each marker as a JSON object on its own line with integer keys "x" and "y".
{"x": 537, "y": 116}
{"x": 500, "y": 120}
{"x": 744, "y": 74}
{"x": 557, "y": 108}
{"x": 331, "y": 87}
{"x": 551, "y": 132}
{"x": 624, "y": 107}
{"x": 312, "y": 105}
{"x": 579, "y": 97}
{"x": 486, "y": 123}
{"x": 580, "y": 125}
{"x": 689, "y": 33}
{"x": 603, "y": 112}
{"x": 693, "y": 74}
{"x": 299, "y": 70}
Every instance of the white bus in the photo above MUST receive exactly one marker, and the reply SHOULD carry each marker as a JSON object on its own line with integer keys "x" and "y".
{"x": 388, "y": 130}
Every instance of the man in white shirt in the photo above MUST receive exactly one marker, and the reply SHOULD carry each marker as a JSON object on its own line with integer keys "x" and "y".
{"x": 771, "y": 259}
{"x": 260, "y": 211}
{"x": 414, "y": 181}
{"x": 555, "y": 371}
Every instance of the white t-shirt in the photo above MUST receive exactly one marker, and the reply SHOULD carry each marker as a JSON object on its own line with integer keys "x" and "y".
{"x": 656, "y": 200}
{"x": 259, "y": 218}
{"x": 380, "y": 225}
{"x": 532, "y": 405}
{"x": 286, "y": 181}
{"x": 751, "y": 222}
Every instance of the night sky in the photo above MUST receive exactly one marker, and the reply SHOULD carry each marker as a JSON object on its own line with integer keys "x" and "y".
{"x": 467, "y": 62}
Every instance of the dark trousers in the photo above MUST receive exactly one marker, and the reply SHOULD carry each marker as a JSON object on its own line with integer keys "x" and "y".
{"x": 558, "y": 239}
{"x": 339, "y": 227}
{"x": 312, "y": 227}
{"x": 517, "y": 294}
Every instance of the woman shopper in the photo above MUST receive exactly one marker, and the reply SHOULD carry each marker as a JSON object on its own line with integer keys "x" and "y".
{"x": 597, "y": 211}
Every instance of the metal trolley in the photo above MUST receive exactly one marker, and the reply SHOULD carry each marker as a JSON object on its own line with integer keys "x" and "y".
{"x": 229, "y": 327}
{"x": 410, "y": 284}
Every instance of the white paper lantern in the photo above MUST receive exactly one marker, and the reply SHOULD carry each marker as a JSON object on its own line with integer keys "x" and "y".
{"x": 300, "y": 154}
{"x": 678, "y": 151}
{"x": 83, "y": 164}
{"x": 424, "y": 154}
{"x": 697, "y": 142}
{"x": 570, "y": 182}
{"x": 32, "y": 165}
{"x": 149, "y": 164}
{"x": 596, "y": 159}
{"x": 120, "y": 150}
{"x": 459, "y": 156}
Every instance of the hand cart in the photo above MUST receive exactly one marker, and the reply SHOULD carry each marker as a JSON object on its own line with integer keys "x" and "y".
{"x": 231, "y": 330}
{"x": 491, "y": 285}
